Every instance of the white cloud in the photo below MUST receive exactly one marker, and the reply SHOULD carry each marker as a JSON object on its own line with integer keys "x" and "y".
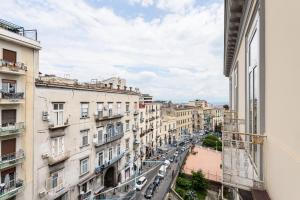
{"x": 144, "y": 3}
{"x": 89, "y": 42}
{"x": 176, "y": 6}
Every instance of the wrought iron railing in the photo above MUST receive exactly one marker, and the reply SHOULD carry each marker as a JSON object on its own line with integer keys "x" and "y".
{"x": 11, "y": 128}
{"x": 11, "y": 159}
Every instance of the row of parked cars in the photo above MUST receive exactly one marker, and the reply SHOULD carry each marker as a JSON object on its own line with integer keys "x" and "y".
{"x": 156, "y": 182}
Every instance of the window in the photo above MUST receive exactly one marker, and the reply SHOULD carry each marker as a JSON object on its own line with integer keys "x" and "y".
{"x": 119, "y": 108}
{"x": 100, "y": 109}
{"x": 253, "y": 88}
{"x": 56, "y": 179}
{"x": 57, "y": 146}
{"x": 110, "y": 152}
{"x": 127, "y": 106}
{"x": 84, "y": 110}
{"x": 84, "y": 166}
{"x": 127, "y": 143}
{"x": 84, "y": 138}
{"x": 119, "y": 128}
{"x": 127, "y": 125}
{"x": 100, "y": 159}
{"x": 135, "y": 106}
{"x": 100, "y": 135}
{"x": 110, "y": 109}
{"x": 84, "y": 188}
{"x": 118, "y": 149}
{"x": 9, "y": 86}
{"x": 58, "y": 110}
{"x": 10, "y": 56}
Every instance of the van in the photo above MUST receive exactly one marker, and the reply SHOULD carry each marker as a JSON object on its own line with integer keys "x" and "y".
{"x": 141, "y": 183}
{"x": 162, "y": 171}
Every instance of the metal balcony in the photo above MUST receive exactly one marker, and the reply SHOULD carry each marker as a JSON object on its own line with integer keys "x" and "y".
{"x": 11, "y": 189}
{"x": 11, "y": 129}
{"x": 54, "y": 159}
{"x": 12, "y": 159}
{"x": 55, "y": 187}
{"x": 136, "y": 112}
{"x": 102, "y": 116}
{"x": 11, "y": 97}
{"x": 239, "y": 169}
{"x": 107, "y": 140}
{"x": 59, "y": 126}
{"x": 100, "y": 169}
{"x": 16, "y": 68}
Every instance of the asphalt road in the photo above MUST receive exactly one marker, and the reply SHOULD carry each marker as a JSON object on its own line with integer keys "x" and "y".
{"x": 163, "y": 188}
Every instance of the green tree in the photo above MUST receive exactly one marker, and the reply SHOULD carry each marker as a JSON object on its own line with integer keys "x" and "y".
{"x": 199, "y": 183}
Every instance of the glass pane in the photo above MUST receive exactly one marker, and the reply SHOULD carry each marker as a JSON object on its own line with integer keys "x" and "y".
{"x": 255, "y": 98}
{"x": 253, "y": 50}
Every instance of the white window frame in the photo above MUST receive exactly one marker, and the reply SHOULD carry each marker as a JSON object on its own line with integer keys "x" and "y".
{"x": 99, "y": 158}
{"x": 83, "y": 134}
{"x": 57, "y": 146}
{"x": 84, "y": 110}
{"x": 58, "y": 114}
{"x": 100, "y": 109}
{"x": 84, "y": 166}
{"x": 119, "y": 107}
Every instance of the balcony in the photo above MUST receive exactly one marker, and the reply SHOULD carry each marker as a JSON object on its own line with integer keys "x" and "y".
{"x": 85, "y": 196}
{"x": 239, "y": 169}
{"x": 109, "y": 115}
{"x": 142, "y": 120}
{"x": 11, "y": 189}
{"x": 134, "y": 128}
{"x": 11, "y": 97}
{"x": 107, "y": 140}
{"x": 11, "y": 129}
{"x": 12, "y": 159}
{"x": 53, "y": 126}
{"x": 136, "y": 112}
{"x": 16, "y": 68}
{"x": 151, "y": 119}
{"x": 100, "y": 169}
{"x": 54, "y": 159}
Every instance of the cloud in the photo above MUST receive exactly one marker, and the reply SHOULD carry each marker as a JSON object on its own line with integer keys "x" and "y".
{"x": 144, "y": 3}
{"x": 179, "y": 55}
{"x": 176, "y": 6}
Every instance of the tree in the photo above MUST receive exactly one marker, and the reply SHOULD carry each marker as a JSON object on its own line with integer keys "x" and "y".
{"x": 199, "y": 183}
{"x": 226, "y": 107}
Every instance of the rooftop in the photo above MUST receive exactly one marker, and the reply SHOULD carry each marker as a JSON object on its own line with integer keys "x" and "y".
{"x": 31, "y": 34}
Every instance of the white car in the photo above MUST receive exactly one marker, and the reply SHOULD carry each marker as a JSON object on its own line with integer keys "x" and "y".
{"x": 167, "y": 163}
{"x": 162, "y": 171}
{"x": 141, "y": 183}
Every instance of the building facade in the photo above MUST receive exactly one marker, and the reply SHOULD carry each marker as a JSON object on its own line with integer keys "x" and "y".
{"x": 19, "y": 63}
{"x": 150, "y": 126}
{"x": 261, "y": 62}
{"x": 84, "y": 139}
{"x": 168, "y": 131}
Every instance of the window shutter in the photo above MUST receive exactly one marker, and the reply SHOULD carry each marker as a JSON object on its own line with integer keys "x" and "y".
{"x": 62, "y": 144}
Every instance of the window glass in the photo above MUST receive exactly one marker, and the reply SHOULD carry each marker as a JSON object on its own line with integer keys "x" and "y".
{"x": 84, "y": 110}
{"x": 84, "y": 166}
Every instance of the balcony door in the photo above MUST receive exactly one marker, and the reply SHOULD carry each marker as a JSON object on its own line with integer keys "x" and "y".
{"x": 8, "y": 117}
{"x": 9, "y": 86}
{"x": 8, "y": 149}
{"x": 8, "y": 177}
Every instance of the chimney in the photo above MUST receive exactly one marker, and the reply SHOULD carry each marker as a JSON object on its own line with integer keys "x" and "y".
{"x": 118, "y": 87}
{"x": 105, "y": 85}
{"x": 110, "y": 85}
{"x": 125, "y": 87}
{"x": 130, "y": 88}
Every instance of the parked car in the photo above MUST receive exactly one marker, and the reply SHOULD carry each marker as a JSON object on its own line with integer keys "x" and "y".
{"x": 167, "y": 163}
{"x": 162, "y": 171}
{"x": 176, "y": 154}
{"x": 172, "y": 158}
{"x": 141, "y": 183}
{"x": 157, "y": 180}
{"x": 150, "y": 191}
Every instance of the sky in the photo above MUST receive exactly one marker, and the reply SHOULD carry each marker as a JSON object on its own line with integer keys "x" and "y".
{"x": 171, "y": 49}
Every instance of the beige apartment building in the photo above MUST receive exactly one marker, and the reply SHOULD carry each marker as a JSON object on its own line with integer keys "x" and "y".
{"x": 85, "y": 137}
{"x": 213, "y": 117}
{"x": 261, "y": 59}
{"x": 150, "y": 125}
{"x": 168, "y": 131}
{"x": 19, "y": 60}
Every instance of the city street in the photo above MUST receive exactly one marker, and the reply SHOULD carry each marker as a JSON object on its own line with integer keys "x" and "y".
{"x": 163, "y": 188}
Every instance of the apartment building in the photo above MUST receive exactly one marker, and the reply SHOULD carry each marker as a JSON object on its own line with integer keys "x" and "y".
{"x": 168, "y": 131}
{"x": 260, "y": 139}
{"x": 85, "y": 137}
{"x": 19, "y": 53}
{"x": 213, "y": 118}
{"x": 150, "y": 125}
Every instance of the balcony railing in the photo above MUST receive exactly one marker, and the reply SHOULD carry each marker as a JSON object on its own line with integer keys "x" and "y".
{"x": 109, "y": 139}
{"x": 101, "y": 168}
{"x": 11, "y": 96}
{"x": 53, "y": 159}
{"x": 142, "y": 120}
{"x": 12, "y": 67}
{"x": 108, "y": 115}
{"x": 10, "y": 189}
{"x": 85, "y": 196}
{"x": 11, "y": 159}
{"x": 136, "y": 112}
{"x": 53, "y": 126}
{"x": 239, "y": 170}
{"x": 11, "y": 128}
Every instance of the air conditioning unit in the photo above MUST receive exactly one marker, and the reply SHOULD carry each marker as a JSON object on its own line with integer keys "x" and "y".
{"x": 45, "y": 155}
{"x": 45, "y": 116}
